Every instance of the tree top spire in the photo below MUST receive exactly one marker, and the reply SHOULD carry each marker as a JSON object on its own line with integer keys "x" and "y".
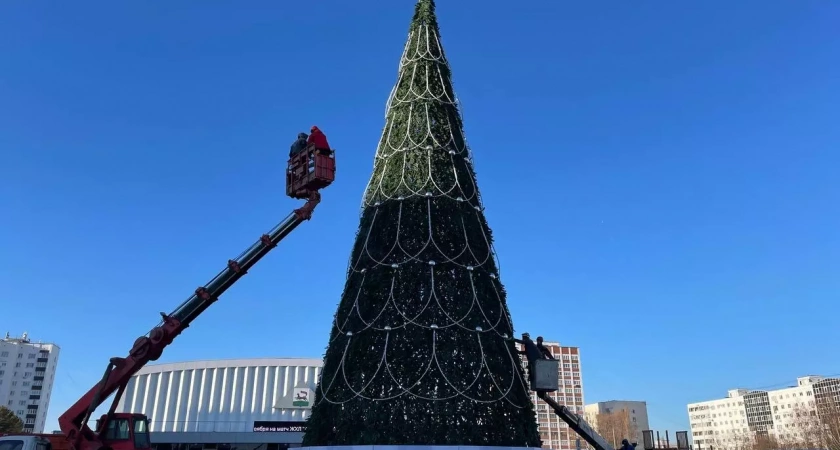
{"x": 424, "y": 13}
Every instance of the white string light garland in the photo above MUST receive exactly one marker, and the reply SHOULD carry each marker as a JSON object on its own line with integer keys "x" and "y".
{"x": 421, "y": 63}
{"x": 391, "y": 145}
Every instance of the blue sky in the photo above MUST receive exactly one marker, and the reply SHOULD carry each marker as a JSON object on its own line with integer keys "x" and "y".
{"x": 675, "y": 213}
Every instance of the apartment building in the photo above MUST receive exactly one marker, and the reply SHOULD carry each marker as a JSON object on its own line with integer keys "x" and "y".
{"x": 27, "y": 373}
{"x": 744, "y": 414}
{"x": 554, "y": 432}
{"x": 636, "y": 413}
{"x": 827, "y": 395}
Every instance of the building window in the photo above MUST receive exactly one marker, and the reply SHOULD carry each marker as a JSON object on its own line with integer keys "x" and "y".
{"x": 117, "y": 429}
{"x": 31, "y": 356}
{"x": 4, "y": 355}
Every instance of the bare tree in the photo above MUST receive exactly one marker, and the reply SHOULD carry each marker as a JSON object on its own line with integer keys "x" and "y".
{"x": 808, "y": 428}
{"x": 615, "y": 426}
{"x": 765, "y": 442}
{"x": 742, "y": 440}
{"x": 803, "y": 431}
{"x": 801, "y": 428}
{"x": 829, "y": 425}
{"x": 733, "y": 440}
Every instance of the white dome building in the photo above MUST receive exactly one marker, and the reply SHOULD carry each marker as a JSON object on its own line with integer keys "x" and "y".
{"x": 244, "y": 403}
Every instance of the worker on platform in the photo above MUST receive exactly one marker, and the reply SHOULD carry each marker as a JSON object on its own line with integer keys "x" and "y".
{"x": 531, "y": 352}
{"x": 544, "y": 351}
{"x": 318, "y": 139}
{"x": 626, "y": 445}
{"x": 299, "y": 145}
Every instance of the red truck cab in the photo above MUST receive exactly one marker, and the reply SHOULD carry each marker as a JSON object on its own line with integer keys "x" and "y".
{"x": 126, "y": 431}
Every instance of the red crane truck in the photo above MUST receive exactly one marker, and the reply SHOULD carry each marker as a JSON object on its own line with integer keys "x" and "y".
{"x": 307, "y": 173}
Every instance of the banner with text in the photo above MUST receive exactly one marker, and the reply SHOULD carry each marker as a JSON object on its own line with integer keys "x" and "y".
{"x": 268, "y": 426}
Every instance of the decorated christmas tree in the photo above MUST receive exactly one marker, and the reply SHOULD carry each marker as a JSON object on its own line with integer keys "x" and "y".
{"x": 420, "y": 349}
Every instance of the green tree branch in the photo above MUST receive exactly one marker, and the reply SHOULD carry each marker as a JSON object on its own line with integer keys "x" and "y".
{"x": 9, "y": 422}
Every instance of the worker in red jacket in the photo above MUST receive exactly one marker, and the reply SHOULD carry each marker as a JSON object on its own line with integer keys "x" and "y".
{"x": 318, "y": 139}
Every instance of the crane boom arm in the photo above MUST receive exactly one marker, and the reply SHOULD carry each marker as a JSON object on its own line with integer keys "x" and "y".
{"x": 576, "y": 423}
{"x": 73, "y": 422}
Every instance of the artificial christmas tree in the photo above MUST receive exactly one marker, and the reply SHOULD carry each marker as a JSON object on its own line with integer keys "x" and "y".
{"x": 419, "y": 352}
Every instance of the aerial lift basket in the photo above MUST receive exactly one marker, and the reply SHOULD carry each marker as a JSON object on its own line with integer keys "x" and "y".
{"x": 308, "y": 171}
{"x": 546, "y": 375}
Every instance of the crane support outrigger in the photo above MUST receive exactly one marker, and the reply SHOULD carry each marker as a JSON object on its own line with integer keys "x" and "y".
{"x": 307, "y": 172}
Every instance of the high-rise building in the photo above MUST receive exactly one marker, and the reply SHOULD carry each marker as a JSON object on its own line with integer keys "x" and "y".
{"x": 554, "y": 432}
{"x": 745, "y": 414}
{"x": 635, "y": 413}
{"x": 27, "y": 373}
